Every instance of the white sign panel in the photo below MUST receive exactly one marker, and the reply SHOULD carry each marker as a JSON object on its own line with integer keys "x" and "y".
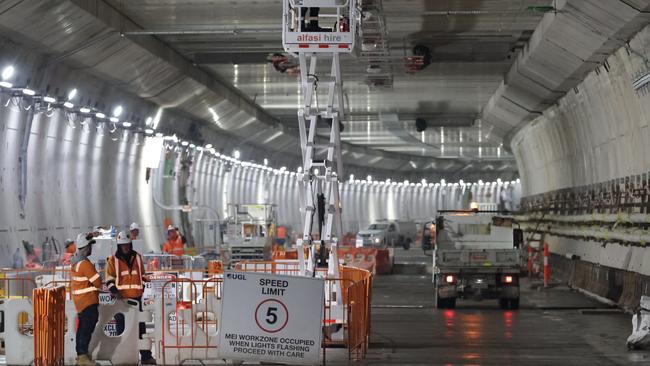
{"x": 153, "y": 289}
{"x": 271, "y": 318}
{"x": 318, "y": 38}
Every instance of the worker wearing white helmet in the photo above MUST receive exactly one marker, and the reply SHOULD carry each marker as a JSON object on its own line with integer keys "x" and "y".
{"x": 84, "y": 286}
{"x": 174, "y": 244}
{"x": 125, "y": 277}
{"x": 134, "y": 230}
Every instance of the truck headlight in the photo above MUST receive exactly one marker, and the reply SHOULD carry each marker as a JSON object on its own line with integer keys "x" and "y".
{"x": 377, "y": 240}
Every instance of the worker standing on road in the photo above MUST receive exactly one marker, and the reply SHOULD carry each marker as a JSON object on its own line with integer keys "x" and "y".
{"x": 174, "y": 244}
{"x": 125, "y": 277}
{"x": 84, "y": 285}
{"x": 135, "y": 231}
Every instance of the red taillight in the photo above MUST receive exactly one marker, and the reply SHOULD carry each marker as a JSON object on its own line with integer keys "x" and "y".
{"x": 449, "y": 279}
{"x": 507, "y": 279}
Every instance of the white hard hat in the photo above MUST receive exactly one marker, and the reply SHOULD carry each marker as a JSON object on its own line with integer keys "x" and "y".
{"x": 123, "y": 238}
{"x": 170, "y": 228}
{"x": 82, "y": 242}
{"x": 135, "y": 226}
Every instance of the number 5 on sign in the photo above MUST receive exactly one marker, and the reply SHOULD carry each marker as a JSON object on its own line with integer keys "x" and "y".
{"x": 271, "y": 316}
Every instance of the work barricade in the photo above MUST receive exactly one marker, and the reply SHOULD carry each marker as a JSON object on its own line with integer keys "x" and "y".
{"x": 49, "y": 326}
{"x": 17, "y": 330}
{"x": 362, "y": 258}
{"x": 347, "y": 303}
{"x": 189, "y": 321}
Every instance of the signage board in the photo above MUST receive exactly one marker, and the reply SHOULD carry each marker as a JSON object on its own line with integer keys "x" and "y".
{"x": 271, "y": 318}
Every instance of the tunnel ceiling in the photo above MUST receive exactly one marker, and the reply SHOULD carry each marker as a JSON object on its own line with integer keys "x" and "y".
{"x": 185, "y": 56}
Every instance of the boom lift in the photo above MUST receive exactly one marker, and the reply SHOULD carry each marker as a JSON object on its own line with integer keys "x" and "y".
{"x": 306, "y": 35}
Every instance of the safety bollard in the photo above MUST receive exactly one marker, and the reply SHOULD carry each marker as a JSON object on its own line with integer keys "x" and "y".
{"x": 547, "y": 269}
{"x": 530, "y": 261}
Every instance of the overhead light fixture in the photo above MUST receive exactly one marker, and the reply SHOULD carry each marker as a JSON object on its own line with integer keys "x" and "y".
{"x": 100, "y": 115}
{"x": 284, "y": 168}
{"x": 48, "y": 99}
{"x": 68, "y": 105}
{"x": 236, "y": 154}
{"x": 159, "y": 134}
{"x": 424, "y": 182}
{"x": 29, "y": 92}
{"x": 84, "y": 110}
{"x": 369, "y": 179}
{"x": 299, "y": 170}
{"x": 72, "y": 94}
{"x": 208, "y": 146}
{"x": 316, "y": 171}
{"x": 215, "y": 116}
{"x": 266, "y": 162}
{"x": 7, "y": 72}
{"x": 351, "y": 177}
{"x": 118, "y": 111}
{"x": 127, "y": 124}
{"x": 114, "y": 119}
{"x": 156, "y": 118}
{"x": 185, "y": 143}
{"x": 149, "y": 131}
{"x": 6, "y": 84}
{"x": 148, "y": 121}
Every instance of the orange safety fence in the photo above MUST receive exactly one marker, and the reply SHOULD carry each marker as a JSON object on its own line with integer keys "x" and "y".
{"x": 356, "y": 293}
{"x": 49, "y": 326}
{"x": 200, "y": 314}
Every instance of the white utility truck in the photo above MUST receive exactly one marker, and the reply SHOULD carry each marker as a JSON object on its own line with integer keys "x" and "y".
{"x": 476, "y": 255}
{"x": 250, "y": 232}
{"x": 387, "y": 233}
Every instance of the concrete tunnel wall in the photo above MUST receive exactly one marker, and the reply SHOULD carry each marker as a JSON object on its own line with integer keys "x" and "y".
{"x": 595, "y": 133}
{"x": 82, "y": 175}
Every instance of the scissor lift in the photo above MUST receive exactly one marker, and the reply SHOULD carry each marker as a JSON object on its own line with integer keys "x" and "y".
{"x": 322, "y": 163}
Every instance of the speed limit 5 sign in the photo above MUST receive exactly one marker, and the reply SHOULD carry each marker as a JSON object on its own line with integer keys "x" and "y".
{"x": 271, "y": 318}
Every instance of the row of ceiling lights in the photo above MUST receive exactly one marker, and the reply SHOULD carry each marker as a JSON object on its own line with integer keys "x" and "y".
{"x": 67, "y": 103}
{"x": 152, "y": 123}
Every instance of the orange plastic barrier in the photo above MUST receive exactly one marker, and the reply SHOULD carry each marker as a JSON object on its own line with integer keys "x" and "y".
{"x": 363, "y": 258}
{"x": 215, "y": 267}
{"x": 358, "y": 297}
{"x": 49, "y": 326}
{"x": 385, "y": 261}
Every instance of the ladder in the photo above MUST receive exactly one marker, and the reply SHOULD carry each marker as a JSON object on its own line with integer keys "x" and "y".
{"x": 321, "y": 152}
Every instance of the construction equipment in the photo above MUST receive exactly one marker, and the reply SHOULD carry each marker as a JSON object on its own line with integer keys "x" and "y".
{"x": 303, "y": 36}
{"x": 249, "y": 232}
{"x": 476, "y": 255}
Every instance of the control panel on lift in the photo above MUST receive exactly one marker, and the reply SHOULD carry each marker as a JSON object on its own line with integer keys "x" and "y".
{"x": 319, "y": 26}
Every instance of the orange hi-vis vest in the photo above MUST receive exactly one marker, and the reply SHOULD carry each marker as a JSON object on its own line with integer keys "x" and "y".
{"x": 84, "y": 285}
{"x": 174, "y": 247}
{"x": 127, "y": 280}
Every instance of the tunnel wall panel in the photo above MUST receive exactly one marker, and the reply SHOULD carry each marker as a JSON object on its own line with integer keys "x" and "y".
{"x": 80, "y": 175}
{"x": 596, "y": 133}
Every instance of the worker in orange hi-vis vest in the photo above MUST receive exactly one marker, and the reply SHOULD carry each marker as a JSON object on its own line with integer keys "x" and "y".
{"x": 125, "y": 277}
{"x": 174, "y": 244}
{"x": 84, "y": 286}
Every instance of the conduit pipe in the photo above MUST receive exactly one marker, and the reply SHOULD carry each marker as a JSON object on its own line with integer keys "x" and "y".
{"x": 618, "y": 218}
{"x": 187, "y": 208}
{"x": 635, "y": 236}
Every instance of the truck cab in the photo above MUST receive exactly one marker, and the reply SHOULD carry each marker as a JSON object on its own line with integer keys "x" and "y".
{"x": 476, "y": 256}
